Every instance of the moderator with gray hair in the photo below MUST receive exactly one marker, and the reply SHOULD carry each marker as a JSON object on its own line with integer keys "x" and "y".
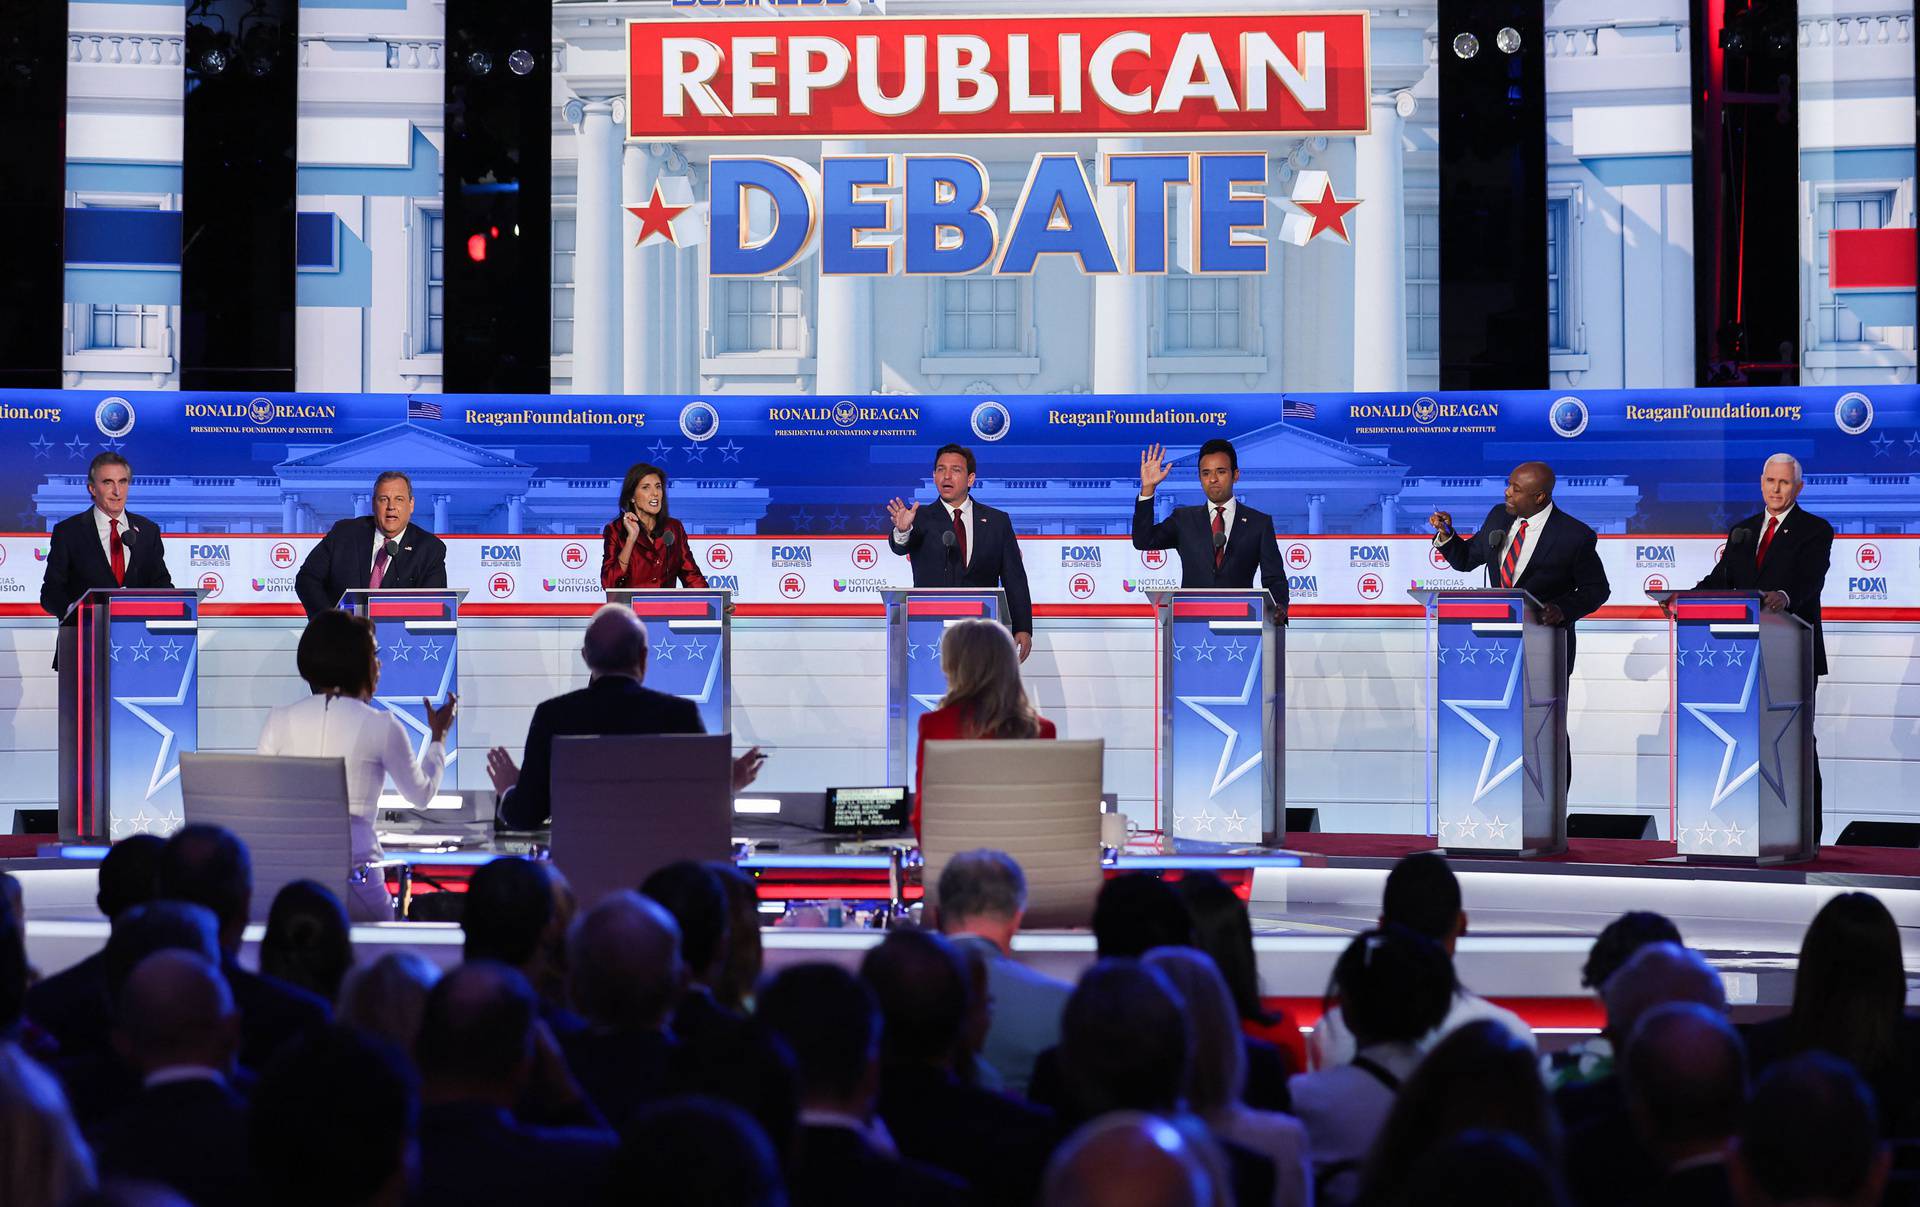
{"x": 982, "y": 884}
{"x": 615, "y": 641}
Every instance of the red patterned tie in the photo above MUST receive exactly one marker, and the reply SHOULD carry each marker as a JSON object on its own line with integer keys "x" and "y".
{"x": 960, "y": 533}
{"x": 119, "y": 549}
{"x": 1513, "y": 554}
{"x": 1760, "y": 554}
{"x": 1219, "y": 530}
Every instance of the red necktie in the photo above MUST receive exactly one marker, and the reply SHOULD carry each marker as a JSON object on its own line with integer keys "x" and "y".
{"x": 1513, "y": 554}
{"x": 1760, "y": 554}
{"x": 119, "y": 551}
{"x": 1219, "y": 530}
{"x": 960, "y": 533}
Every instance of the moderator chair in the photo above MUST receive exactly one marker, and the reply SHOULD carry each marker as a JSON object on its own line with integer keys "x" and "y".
{"x": 291, "y": 813}
{"x": 1039, "y": 801}
{"x": 625, "y": 806}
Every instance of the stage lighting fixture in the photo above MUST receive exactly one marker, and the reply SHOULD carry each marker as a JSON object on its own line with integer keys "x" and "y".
{"x": 1466, "y": 45}
{"x": 479, "y": 62}
{"x": 521, "y": 62}
{"x": 1508, "y": 39}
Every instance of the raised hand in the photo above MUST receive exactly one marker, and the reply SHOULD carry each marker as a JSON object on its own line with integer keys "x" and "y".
{"x": 902, "y": 514}
{"x": 1153, "y": 468}
{"x": 438, "y": 719}
{"x": 1442, "y": 523}
{"x": 502, "y": 770}
{"x": 746, "y": 767}
{"x": 631, "y": 524}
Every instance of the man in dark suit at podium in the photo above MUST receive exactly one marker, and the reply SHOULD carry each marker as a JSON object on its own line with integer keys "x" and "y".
{"x": 1527, "y": 542}
{"x": 1220, "y": 543}
{"x": 371, "y": 552}
{"x": 104, "y": 546}
{"x": 964, "y": 543}
{"x": 1783, "y": 551}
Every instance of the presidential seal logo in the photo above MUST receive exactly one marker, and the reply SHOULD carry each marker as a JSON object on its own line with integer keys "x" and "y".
{"x": 699, "y": 421}
{"x": 260, "y": 410}
{"x": 114, "y": 417}
{"x": 1568, "y": 417}
{"x": 991, "y": 421}
{"x": 1425, "y": 409}
{"x": 845, "y": 413}
{"x": 1853, "y": 412}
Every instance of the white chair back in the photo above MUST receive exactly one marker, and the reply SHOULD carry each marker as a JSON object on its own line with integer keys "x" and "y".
{"x": 1039, "y": 801}
{"x": 626, "y": 805}
{"x": 291, "y": 813}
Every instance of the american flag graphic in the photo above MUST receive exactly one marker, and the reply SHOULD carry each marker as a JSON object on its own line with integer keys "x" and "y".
{"x": 418, "y": 408}
{"x": 1293, "y": 408}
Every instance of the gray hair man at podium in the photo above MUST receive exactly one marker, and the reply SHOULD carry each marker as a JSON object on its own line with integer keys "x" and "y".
{"x": 104, "y": 546}
{"x": 612, "y": 702}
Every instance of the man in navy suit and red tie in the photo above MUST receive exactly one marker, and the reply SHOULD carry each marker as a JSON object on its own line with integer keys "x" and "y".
{"x": 371, "y": 552}
{"x": 964, "y": 543}
{"x": 104, "y": 546}
{"x": 1220, "y": 543}
{"x": 1784, "y": 551}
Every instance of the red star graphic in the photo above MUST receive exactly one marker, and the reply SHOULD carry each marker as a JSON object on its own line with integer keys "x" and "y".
{"x": 1328, "y": 214}
{"x": 656, "y": 218}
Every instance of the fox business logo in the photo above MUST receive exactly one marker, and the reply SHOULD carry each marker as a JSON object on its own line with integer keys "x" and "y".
{"x": 1369, "y": 555}
{"x": 570, "y": 585}
{"x": 209, "y": 555}
{"x": 787, "y": 556}
{"x": 1867, "y": 587}
{"x": 724, "y": 582}
{"x": 1646, "y": 557}
{"x": 1079, "y": 557}
{"x": 1303, "y": 586}
{"x": 500, "y": 555}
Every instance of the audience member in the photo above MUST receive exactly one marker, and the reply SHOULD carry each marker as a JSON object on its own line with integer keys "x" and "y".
{"x": 998, "y": 1145}
{"x": 1605, "y": 1160}
{"x": 983, "y": 896}
{"x": 334, "y": 1122}
{"x": 72, "y": 1005}
{"x": 1394, "y": 986}
{"x": 1592, "y": 1058}
{"x": 1131, "y": 1159}
{"x": 1476, "y": 1168}
{"x": 1217, "y": 1073}
{"x": 842, "y": 1154}
{"x": 14, "y": 973}
{"x": 1811, "y": 1138}
{"x": 388, "y": 997}
{"x": 1223, "y": 929}
{"x": 696, "y": 1150}
{"x": 482, "y": 1049}
{"x": 1136, "y": 913}
{"x": 178, "y": 1028}
{"x": 1423, "y": 895}
{"x": 43, "y": 1160}
{"x": 1849, "y": 998}
{"x": 209, "y": 866}
{"x": 515, "y": 915}
{"x": 1686, "y": 1086}
{"x": 739, "y": 975}
{"x": 1480, "y": 1077}
{"x": 623, "y": 957}
{"x": 307, "y": 941}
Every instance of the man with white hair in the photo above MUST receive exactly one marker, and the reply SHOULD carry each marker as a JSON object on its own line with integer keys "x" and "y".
{"x": 612, "y": 702}
{"x": 1782, "y": 550}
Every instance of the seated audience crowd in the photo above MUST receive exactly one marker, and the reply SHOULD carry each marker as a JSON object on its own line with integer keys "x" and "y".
{"x": 630, "y": 1050}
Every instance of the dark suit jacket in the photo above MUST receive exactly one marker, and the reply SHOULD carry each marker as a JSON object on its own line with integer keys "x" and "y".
{"x": 343, "y": 561}
{"x": 477, "y": 1155}
{"x": 994, "y": 561}
{"x": 1250, "y": 545}
{"x": 620, "y": 1071}
{"x": 272, "y": 1013}
{"x": 733, "y": 1057}
{"x": 836, "y": 1167}
{"x": 1797, "y": 562}
{"x": 188, "y": 1135}
{"x": 1564, "y": 570}
{"x": 72, "y": 1005}
{"x": 608, "y": 705}
{"x": 998, "y": 1145}
{"x": 77, "y": 564}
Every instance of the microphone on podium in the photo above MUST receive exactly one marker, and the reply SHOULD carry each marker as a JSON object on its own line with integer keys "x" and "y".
{"x": 666, "y": 542}
{"x": 1219, "y": 541}
{"x": 1738, "y": 537}
{"x": 1497, "y": 538}
{"x": 946, "y": 538}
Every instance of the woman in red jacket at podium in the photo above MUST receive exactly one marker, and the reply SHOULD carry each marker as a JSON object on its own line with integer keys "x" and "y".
{"x": 984, "y": 696}
{"x": 644, "y": 546}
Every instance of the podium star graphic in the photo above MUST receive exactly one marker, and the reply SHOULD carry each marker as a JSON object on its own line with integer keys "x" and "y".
{"x": 1776, "y": 722}
{"x": 664, "y": 648}
{"x": 656, "y": 218}
{"x": 1328, "y": 214}
{"x": 1465, "y": 710}
{"x": 1204, "y": 705}
{"x": 145, "y": 707}
{"x": 406, "y": 707}
{"x": 1723, "y": 786}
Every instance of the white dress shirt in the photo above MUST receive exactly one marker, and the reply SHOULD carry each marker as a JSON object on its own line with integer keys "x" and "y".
{"x": 375, "y": 746}
{"x": 102, "y": 524}
{"x": 379, "y": 540}
{"x": 1534, "y": 524}
{"x": 966, "y": 516}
